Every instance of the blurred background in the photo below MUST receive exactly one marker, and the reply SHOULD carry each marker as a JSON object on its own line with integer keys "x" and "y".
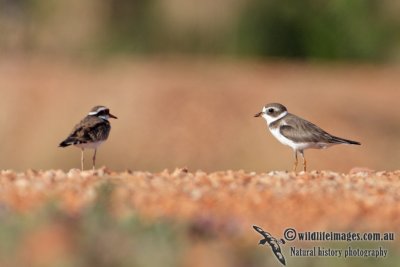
{"x": 186, "y": 77}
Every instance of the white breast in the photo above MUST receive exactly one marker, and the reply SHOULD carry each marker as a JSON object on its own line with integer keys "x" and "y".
{"x": 275, "y": 132}
{"x": 296, "y": 146}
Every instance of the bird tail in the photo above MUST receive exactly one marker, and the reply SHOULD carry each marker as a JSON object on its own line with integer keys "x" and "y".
{"x": 67, "y": 142}
{"x": 340, "y": 140}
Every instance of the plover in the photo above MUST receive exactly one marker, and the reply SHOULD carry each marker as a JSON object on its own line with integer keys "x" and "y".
{"x": 296, "y": 132}
{"x": 91, "y": 132}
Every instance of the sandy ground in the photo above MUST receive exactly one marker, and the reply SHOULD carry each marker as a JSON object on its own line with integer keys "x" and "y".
{"x": 194, "y": 219}
{"x": 325, "y": 200}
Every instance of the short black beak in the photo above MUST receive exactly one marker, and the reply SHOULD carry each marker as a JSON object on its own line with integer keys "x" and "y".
{"x": 258, "y": 114}
{"x": 112, "y": 116}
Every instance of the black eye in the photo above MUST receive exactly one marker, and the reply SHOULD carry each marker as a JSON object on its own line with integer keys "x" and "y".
{"x": 271, "y": 110}
{"x": 102, "y": 113}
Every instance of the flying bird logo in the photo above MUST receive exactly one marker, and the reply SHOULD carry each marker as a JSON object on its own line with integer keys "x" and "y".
{"x": 273, "y": 242}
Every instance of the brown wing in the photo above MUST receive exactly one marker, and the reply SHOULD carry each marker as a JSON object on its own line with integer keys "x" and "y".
{"x": 90, "y": 129}
{"x": 300, "y": 130}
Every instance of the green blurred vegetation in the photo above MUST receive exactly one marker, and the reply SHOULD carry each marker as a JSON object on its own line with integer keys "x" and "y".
{"x": 309, "y": 29}
{"x": 357, "y": 29}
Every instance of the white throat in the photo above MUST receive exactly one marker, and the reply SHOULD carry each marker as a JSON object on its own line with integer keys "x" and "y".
{"x": 104, "y": 117}
{"x": 270, "y": 119}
